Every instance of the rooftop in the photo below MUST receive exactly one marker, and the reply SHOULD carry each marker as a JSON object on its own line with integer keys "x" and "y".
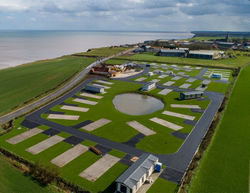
{"x": 172, "y": 51}
{"x": 135, "y": 172}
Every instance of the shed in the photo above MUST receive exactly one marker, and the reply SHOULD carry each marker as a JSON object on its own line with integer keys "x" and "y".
{"x": 216, "y": 75}
{"x": 148, "y": 86}
{"x": 191, "y": 95}
{"x": 94, "y": 88}
{"x": 135, "y": 176}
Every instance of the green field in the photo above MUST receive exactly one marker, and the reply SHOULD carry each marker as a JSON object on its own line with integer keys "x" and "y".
{"x": 229, "y": 62}
{"x": 162, "y": 142}
{"x": 225, "y": 164}
{"x": 12, "y": 180}
{"x": 25, "y": 82}
{"x": 103, "y": 52}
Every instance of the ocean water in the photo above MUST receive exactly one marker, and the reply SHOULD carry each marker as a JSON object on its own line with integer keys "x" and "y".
{"x": 18, "y": 47}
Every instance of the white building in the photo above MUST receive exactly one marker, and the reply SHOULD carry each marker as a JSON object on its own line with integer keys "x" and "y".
{"x": 149, "y": 86}
{"x": 93, "y": 88}
{"x": 135, "y": 176}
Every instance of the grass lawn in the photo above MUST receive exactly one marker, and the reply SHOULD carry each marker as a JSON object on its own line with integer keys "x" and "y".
{"x": 12, "y": 180}
{"x": 163, "y": 186}
{"x": 225, "y": 164}
{"x": 119, "y": 131}
{"x": 70, "y": 171}
{"x": 229, "y": 62}
{"x": 115, "y": 61}
{"x": 25, "y": 82}
{"x": 103, "y": 52}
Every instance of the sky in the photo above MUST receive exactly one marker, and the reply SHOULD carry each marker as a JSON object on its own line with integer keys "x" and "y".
{"x": 126, "y": 15}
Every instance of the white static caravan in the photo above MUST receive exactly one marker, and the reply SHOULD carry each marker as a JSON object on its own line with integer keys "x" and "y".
{"x": 149, "y": 86}
{"x": 136, "y": 175}
{"x": 94, "y": 88}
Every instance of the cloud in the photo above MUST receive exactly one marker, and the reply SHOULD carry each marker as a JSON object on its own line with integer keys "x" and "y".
{"x": 132, "y": 14}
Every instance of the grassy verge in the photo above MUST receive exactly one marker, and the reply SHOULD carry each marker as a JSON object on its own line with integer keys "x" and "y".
{"x": 227, "y": 157}
{"x": 27, "y": 82}
{"x": 13, "y": 180}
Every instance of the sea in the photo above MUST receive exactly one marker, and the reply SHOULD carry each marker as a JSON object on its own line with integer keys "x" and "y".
{"x": 19, "y": 47}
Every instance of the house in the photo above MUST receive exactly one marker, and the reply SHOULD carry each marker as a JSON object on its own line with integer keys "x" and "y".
{"x": 135, "y": 176}
{"x": 191, "y": 95}
{"x": 216, "y": 75}
{"x": 172, "y": 53}
{"x": 149, "y": 86}
{"x": 93, "y": 88}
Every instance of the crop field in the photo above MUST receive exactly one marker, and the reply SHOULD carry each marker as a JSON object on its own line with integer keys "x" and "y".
{"x": 227, "y": 157}
{"x": 229, "y": 62}
{"x": 103, "y": 52}
{"x": 25, "y": 82}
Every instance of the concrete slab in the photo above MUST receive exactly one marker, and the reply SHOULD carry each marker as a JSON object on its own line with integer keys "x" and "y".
{"x": 169, "y": 83}
{"x": 106, "y": 87}
{"x": 64, "y": 117}
{"x": 163, "y": 76}
{"x": 84, "y": 123}
{"x": 78, "y": 109}
{"x": 141, "y": 79}
{"x": 91, "y": 95}
{"x": 166, "y": 123}
{"x": 181, "y": 73}
{"x": 185, "y": 106}
{"x": 23, "y": 136}
{"x": 176, "y": 78}
{"x": 141, "y": 128}
{"x": 83, "y": 101}
{"x": 165, "y": 91}
{"x": 97, "y": 169}
{"x": 185, "y": 85}
{"x": 104, "y": 82}
{"x": 69, "y": 155}
{"x": 179, "y": 115}
{"x": 155, "y": 80}
{"x": 45, "y": 144}
{"x": 96, "y": 124}
{"x": 190, "y": 80}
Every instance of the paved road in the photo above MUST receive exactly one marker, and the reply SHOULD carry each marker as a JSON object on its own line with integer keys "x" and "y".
{"x": 74, "y": 81}
{"x": 176, "y": 163}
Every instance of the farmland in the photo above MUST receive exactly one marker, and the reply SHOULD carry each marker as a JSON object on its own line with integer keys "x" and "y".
{"x": 27, "y": 82}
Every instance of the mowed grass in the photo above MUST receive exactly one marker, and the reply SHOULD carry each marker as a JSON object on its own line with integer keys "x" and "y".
{"x": 13, "y": 181}
{"x": 229, "y": 62}
{"x": 163, "y": 186}
{"x": 117, "y": 130}
{"x": 103, "y": 52}
{"x": 70, "y": 171}
{"x": 24, "y": 82}
{"x": 225, "y": 165}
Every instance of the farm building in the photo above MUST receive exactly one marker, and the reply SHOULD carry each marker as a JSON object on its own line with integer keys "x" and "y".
{"x": 148, "y": 86}
{"x": 216, "y": 75}
{"x": 205, "y": 54}
{"x": 93, "y": 88}
{"x": 135, "y": 176}
{"x": 172, "y": 53}
{"x": 191, "y": 95}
